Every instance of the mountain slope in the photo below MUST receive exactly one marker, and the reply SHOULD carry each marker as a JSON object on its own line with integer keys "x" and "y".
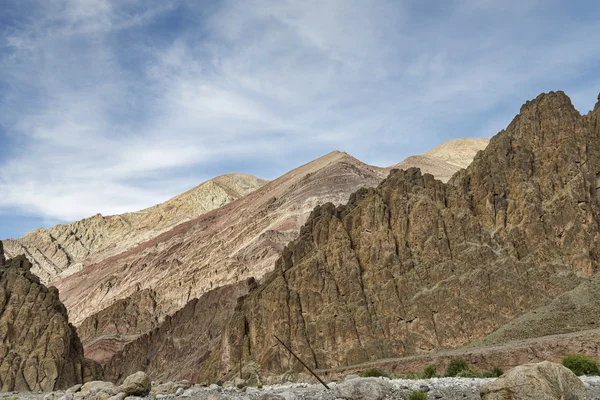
{"x": 446, "y": 159}
{"x": 64, "y": 249}
{"x": 415, "y": 265}
{"x": 226, "y": 245}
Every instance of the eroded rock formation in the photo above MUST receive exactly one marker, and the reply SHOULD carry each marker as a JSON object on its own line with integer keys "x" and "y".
{"x": 39, "y": 349}
{"x": 180, "y": 346}
{"x": 105, "y": 333}
{"x": 416, "y": 265}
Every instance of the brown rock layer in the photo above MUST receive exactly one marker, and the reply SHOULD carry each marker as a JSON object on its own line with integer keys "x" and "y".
{"x": 106, "y": 332}
{"x": 181, "y": 345}
{"x": 39, "y": 349}
{"x": 416, "y": 265}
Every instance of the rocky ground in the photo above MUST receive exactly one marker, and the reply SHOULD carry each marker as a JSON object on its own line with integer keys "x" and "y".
{"x": 352, "y": 388}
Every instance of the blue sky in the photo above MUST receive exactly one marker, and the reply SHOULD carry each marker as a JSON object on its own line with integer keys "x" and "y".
{"x": 114, "y": 105}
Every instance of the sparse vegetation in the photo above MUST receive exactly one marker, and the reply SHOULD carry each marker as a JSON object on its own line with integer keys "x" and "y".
{"x": 409, "y": 375}
{"x": 374, "y": 372}
{"x": 580, "y": 364}
{"x": 496, "y": 372}
{"x": 457, "y": 367}
{"x": 429, "y": 372}
{"x": 417, "y": 395}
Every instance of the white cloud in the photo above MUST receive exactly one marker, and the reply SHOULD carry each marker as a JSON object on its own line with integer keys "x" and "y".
{"x": 117, "y": 105}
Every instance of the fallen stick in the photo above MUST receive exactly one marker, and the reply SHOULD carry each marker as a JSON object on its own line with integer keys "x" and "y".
{"x": 302, "y": 362}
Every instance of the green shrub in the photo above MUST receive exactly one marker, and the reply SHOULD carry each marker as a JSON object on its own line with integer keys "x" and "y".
{"x": 417, "y": 395}
{"x": 580, "y": 364}
{"x": 496, "y": 372}
{"x": 457, "y": 366}
{"x": 374, "y": 372}
{"x": 429, "y": 372}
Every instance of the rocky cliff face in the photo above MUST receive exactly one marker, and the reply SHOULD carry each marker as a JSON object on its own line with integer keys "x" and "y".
{"x": 446, "y": 159}
{"x": 180, "y": 346}
{"x": 416, "y": 265}
{"x": 64, "y": 249}
{"x": 108, "y": 331}
{"x": 39, "y": 349}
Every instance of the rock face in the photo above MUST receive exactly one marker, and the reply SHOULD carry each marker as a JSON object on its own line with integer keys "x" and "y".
{"x": 545, "y": 380}
{"x": 39, "y": 349}
{"x": 446, "y": 159}
{"x": 416, "y": 265}
{"x": 179, "y": 347}
{"x": 105, "y": 333}
{"x": 65, "y": 249}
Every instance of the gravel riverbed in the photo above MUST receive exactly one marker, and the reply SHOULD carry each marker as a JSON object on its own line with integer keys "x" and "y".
{"x": 351, "y": 389}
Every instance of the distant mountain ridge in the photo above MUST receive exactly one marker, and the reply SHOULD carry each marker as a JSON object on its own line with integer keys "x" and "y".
{"x": 446, "y": 159}
{"x": 65, "y": 249}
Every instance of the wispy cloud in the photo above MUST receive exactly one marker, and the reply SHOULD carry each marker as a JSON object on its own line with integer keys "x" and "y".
{"x": 110, "y": 106}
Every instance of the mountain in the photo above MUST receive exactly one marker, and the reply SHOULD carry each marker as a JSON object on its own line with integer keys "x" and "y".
{"x": 40, "y": 350}
{"x": 64, "y": 249}
{"x": 415, "y": 265}
{"x": 224, "y": 246}
{"x": 238, "y": 241}
{"x": 446, "y": 159}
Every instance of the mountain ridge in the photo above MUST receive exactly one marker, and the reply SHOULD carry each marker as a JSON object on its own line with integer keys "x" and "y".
{"x": 67, "y": 248}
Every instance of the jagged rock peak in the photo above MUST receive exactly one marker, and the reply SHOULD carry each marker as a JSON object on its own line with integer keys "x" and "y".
{"x": 40, "y": 350}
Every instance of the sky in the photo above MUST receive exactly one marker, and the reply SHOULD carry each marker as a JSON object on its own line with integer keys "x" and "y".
{"x": 109, "y": 106}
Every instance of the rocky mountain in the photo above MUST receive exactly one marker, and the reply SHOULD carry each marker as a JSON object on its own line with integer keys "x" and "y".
{"x": 415, "y": 265}
{"x": 331, "y": 171}
{"x": 224, "y": 246}
{"x": 64, "y": 249}
{"x": 39, "y": 349}
{"x": 446, "y": 159}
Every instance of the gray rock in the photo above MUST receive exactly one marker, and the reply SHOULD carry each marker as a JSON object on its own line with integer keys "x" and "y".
{"x": 118, "y": 396}
{"x": 75, "y": 388}
{"x": 137, "y": 384}
{"x": 545, "y": 380}
{"x": 364, "y": 389}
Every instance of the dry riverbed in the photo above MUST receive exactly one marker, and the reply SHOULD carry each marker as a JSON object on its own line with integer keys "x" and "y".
{"x": 352, "y": 389}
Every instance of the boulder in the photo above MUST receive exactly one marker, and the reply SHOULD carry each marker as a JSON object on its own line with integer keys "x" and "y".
{"x": 545, "y": 380}
{"x": 171, "y": 387}
{"x": 364, "y": 389}
{"x": 97, "y": 390}
{"x": 137, "y": 384}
